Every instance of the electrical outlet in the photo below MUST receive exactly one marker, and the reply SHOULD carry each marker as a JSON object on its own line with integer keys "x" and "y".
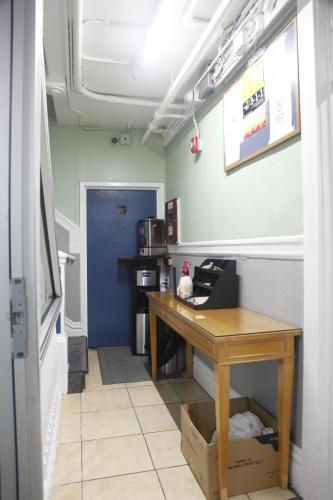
{"x": 125, "y": 139}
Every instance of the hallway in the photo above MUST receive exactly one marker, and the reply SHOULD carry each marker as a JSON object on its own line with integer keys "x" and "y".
{"x": 124, "y": 438}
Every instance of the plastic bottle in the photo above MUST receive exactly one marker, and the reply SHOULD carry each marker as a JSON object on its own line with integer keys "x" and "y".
{"x": 185, "y": 282}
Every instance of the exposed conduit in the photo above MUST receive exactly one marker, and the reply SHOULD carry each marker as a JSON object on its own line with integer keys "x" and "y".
{"x": 277, "y": 20}
{"x": 203, "y": 45}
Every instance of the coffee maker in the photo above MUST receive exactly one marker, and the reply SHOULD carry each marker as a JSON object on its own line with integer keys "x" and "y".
{"x": 151, "y": 237}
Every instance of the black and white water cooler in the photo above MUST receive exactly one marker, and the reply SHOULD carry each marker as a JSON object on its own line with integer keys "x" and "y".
{"x": 144, "y": 280}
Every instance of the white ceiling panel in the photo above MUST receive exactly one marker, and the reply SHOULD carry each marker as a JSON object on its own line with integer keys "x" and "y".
{"x": 118, "y": 79}
{"x": 131, "y": 11}
{"x": 114, "y": 115}
{"x": 112, "y": 41}
{"x": 117, "y": 30}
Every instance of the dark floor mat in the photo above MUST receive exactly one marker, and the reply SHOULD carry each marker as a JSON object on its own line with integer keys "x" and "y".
{"x": 118, "y": 365}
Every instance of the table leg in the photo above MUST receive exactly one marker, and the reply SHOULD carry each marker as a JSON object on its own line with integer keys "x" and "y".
{"x": 285, "y": 387}
{"x": 189, "y": 360}
{"x": 222, "y": 391}
{"x": 153, "y": 344}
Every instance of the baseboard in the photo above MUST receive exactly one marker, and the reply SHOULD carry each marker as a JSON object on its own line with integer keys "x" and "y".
{"x": 205, "y": 377}
{"x": 73, "y": 231}
{"x": 73, "y": 328}
{"x": 296, "y": 476}
{"x": 280, "y": 247}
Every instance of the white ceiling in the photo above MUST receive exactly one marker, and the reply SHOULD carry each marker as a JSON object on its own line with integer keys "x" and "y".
{"x": 117, "y": 30}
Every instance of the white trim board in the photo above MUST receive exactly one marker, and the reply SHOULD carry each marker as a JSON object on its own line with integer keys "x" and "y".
{"x": 279, "y": 247}
{"x": 73, "y": 328}
{"x": 73, "y": 231}
{"x": 295, "y": 469}
{"x": 84, "y": 186}
{"x": 204, "y": 375}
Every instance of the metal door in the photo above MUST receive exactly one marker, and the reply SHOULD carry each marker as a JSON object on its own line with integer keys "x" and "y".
{"x": 112, "y": 216}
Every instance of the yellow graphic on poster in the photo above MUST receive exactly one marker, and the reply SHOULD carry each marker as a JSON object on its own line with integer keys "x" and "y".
{"x": 253, "y": 99}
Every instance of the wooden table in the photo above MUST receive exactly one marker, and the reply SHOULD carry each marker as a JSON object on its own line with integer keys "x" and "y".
{"x": 228, "y": 337}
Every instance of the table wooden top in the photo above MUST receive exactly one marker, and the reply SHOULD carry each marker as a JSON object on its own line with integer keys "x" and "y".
{"x": 225, "y": 322}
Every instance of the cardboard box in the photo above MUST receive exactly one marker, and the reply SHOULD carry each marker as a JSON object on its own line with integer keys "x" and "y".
{"x": 253, "y": 462}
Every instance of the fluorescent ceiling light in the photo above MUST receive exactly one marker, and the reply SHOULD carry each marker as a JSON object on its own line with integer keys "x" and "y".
{"x": 161, "y": 32}
{"x": 188, "y": 16}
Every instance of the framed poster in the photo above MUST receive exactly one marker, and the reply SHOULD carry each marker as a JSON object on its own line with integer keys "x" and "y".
{"x": 172, "y": 221}
{"x": 261, "y": 109}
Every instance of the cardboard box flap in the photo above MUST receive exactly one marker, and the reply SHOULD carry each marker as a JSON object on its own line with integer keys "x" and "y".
{"x": 264, "y": 416}
{"x": 238, "y": 405}
{"x": 202, "y": 414}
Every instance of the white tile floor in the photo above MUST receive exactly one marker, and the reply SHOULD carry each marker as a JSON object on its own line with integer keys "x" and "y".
{"x": 120, "y": 442}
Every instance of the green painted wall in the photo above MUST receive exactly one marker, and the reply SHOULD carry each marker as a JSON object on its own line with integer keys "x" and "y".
{"x": 79, "y": 155}
{"x": 262, "y": 198}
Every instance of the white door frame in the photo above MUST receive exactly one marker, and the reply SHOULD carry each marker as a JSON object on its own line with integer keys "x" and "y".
{"x": 317, "y": 128}
{"x": 24, "y": 221}
{"x": 8, "y": 443}
{"x": 84, "y": 186}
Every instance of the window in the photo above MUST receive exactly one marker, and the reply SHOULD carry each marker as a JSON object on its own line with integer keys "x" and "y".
{"x": 47, "y": 292}
{"x": 49, "y": 277}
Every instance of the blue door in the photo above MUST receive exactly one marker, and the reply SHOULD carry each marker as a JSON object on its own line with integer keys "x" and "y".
{"x": 112, "y": 217}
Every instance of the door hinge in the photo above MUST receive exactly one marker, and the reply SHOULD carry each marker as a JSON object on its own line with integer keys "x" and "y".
{"x": 18, "y": 318}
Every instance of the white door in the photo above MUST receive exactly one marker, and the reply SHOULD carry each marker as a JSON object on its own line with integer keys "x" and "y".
{"x": 7, "y": 413}
{"x": 28, "y": 253}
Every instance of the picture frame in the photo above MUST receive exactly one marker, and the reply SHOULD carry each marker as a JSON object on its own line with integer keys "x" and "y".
{"x": 261, "y": 108}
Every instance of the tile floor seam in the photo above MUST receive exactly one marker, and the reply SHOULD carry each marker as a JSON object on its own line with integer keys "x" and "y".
{"x": 159, "y": 480}
{"x": 114, "y": 409}
{"x": 145, "y": 406}
{"x": 175, "y": 390}
{"x": 111, "y": 437}
{"x": 115, "y": 437}
{"x": 173, "y": 466}
{"x": 190, "y": 379}
{"x": 118, "y": 475}
{"x": 96, "y": 389}
{"x": 151, "y": 458}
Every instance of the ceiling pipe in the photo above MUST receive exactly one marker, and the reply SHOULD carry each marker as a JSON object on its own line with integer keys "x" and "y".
{"x": 189, "y": 14}
{"x": 170, "y": 115}
{"x": 276, "y": 22}
{"x": 204, "y": 43}
{"x": 114, "y": 24}
{"x": 132, "y": 120}
{"x": 106, "y": 61}
{"x": 253, "y": 4}
{"x": 247, "y": 12}
{"x": 77, "y": 71}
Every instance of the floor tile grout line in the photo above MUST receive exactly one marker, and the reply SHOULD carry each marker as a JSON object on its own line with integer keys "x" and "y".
{"x": 119, "y": 475}
{"x": 174, "y": 390}
{"x": 124, "y": 435}
{"x": 190, "y": 400}
{"x": 159, "y": 480}
{"x": 151, "y": 458}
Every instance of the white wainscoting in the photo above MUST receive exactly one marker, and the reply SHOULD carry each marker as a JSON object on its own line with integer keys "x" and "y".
{"x": 73, "y": 231}
{"x": 205, "y": 376}
{"x": 73, "y": 328}
{"x": 279, "y": 247}
{"x": 296, "y": 474}
{"x": 52, "y": 367}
